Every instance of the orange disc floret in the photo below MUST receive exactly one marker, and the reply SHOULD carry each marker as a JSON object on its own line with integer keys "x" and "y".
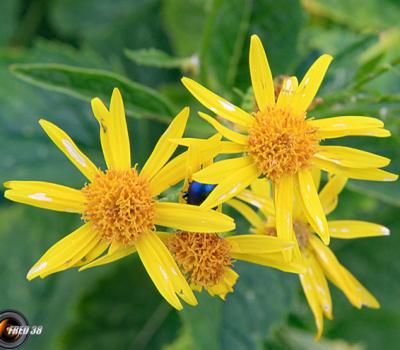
{"x": 119, "y": 204}
{"x": 281, "y": 142}
{"x": 203, "y": 257}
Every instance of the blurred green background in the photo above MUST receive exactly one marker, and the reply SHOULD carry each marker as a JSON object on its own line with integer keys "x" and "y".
{"x": 56, "y": 55}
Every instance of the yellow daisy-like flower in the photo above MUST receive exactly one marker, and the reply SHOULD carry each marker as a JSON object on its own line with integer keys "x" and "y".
{"x": 318, "y": 260}
{"x": 206, "y": 259}
{"x": 281, "y": 144}
{"x": 119, "y": 206}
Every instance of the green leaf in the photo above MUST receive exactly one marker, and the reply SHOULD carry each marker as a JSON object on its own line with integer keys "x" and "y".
{"x": 262, "y": 297}
{"x": 371, "y": 15}
{"x": 223, "y": 49}
{"x": 156, "y": 58}
{"x": 140, "y": 101}
{"x": 27, "y": 151}
{"x": 123, "y": 310}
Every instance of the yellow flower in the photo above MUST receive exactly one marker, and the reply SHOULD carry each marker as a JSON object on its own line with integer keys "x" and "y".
{"x": 119, "y": 206}
{"x": 281, "y": 144}
{"x": 206, "y": 259}
{"x": 318, "y": 260}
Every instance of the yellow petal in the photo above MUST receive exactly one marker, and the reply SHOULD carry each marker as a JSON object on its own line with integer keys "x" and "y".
{"x": 224, "y": 131}
{"x": 274, "y": 260}
{"x": 173, "y": 172}
{"x": 284, "y": 207}
{"x": 312, "y": 205}
{"x": 257, "y": 244}
{"x": 249, "y": 214}
{"x": 316, "y": 175}
{"x": 330, "y": 192}
{"x": 217, "y": 104}
{"x": 70, "y": 149}
{"x": 372, "y": 174}
{"x": 117, "y": 132}
{"x": 349, "y": 126}
{"x": 225, "y": 286}
{"x": 163, "y": 271}
{"x": 286, "y": 95}
{"x": 164, "y": 148}
{"x": 320, "y": 283}
{"x": 93, "y": 254}
{"x": 351, "y": 157}
{"x": 310, "y": 84}
{"x": 191, "y": 218}
{"x": 115, "y": 255}
{"x": 266, "y": 205}
{"x": 333, "y": 270}
{"x": 366, "y": 298}
{"x": 219, "y": 171}
{"x": 313, "y": 302}
{"x": 228, "y": 147}
{"x": 76, "y": 259}
{"x": 352, "y": 132}
{"x": 231, "y": 186}
{"x": 261, "y": 187}
{"x": 102, "y": 115}
{"x": 67, "y": 251}
{"x": 261, "y": 77}
{"x": 45, "y": 195}
{"x": 213, "y": 142}
{"x": 356, "y": 229}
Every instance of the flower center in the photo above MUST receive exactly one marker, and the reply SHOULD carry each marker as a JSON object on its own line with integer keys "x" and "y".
{"x": 302, "y": 232}
{"x": 120, "y": 205}
{"x": 202, "y": 257}
{"x": 281, "y": 142}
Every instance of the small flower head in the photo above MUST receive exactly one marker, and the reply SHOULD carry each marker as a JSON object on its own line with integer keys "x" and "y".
{"x": 317, "y": 260}
{"x": 203, "y": 257}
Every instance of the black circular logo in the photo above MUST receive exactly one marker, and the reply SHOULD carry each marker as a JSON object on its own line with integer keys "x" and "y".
{"x": 14, "y": 329}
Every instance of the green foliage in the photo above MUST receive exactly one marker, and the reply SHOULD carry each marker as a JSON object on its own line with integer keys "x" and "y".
{"x": 243, "y": 320}
{"x": 286, "y": 338}
{"x": 25, "y": 236}
{"x": 122, "y": 310}
{"x": 84, "y": 83}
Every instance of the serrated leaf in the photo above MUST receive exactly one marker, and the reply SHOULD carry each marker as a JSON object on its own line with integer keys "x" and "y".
{"x": 83, "y": 83}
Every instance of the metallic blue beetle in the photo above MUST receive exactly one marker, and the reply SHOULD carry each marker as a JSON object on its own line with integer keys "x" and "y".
{"x": 197, "y": 192}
